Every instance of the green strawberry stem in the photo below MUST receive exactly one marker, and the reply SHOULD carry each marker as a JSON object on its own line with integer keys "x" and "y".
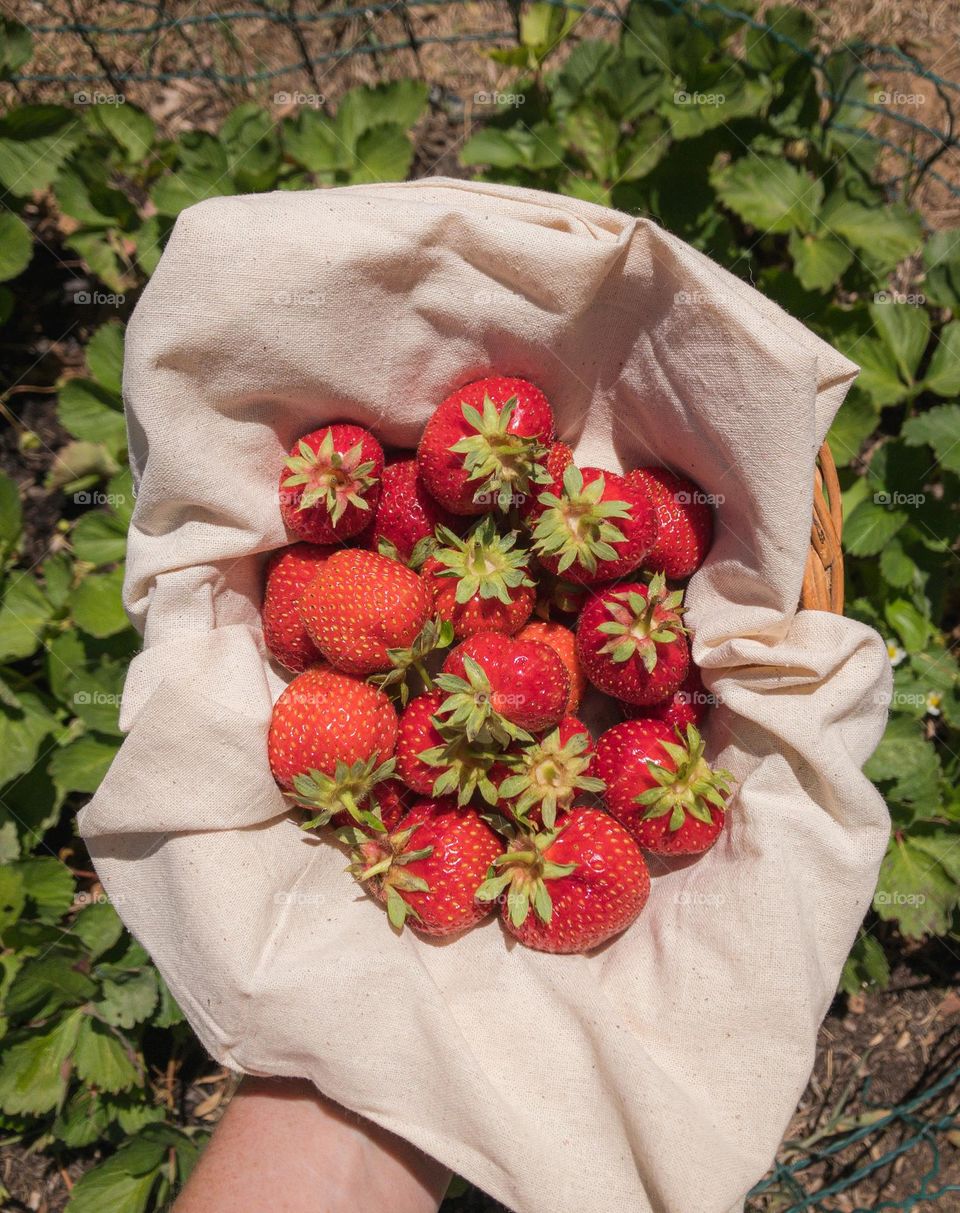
{"x": 485, "y": 563}
{"x": 693, "y": 789}
{"x": 328, "y": 476}
{"x": 465, "y": 768}
{"x": 548, "y": 775}
{"x": 385, "y": 860}
{"x": 468, "y": 708}
{"x": 505, "y": 465}
{"x": 436, "y": 634}
{"x": 343, "y": 792}
{"x": 577, "y": 526}
{"x": 526, "y": 876}
{"x": 639, "y": 623}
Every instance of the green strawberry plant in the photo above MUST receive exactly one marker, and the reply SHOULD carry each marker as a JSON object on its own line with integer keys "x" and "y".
{"x": 737, "y": 139}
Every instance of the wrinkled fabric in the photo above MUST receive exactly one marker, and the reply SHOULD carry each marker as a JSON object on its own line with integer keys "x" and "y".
{"x": 659, "y": 1073}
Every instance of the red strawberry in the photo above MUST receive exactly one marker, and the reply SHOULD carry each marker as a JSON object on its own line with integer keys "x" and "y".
{"x": 557, "y": 460}
{"x": 407, "y": 515}
{"x": 687, "y": 705}
{"x": 684, "y": 517}
{"x": 324, "y": 718}
{"x": 435, "y": 765}
{"x": 289, "y": 572}
{"x": 631, "y": 641}
{"x": 480, "y": 583}
{"x": 593, "y": 526}
{"x": 564, "y": 644}
{"x": 361, "y": 606}
{"x": 330, "y": 483}
{"x": 571, "y": 888}
{"x": 544, "y": 777}
{"x": 427, "y": 871}
{"x": 499, "y": 687}
{"x": 388, "y": 801}
{"x": 483, "y": 447}
{"x": 660, "y": 786}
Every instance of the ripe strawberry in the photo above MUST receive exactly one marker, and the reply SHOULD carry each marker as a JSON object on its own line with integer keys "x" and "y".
{"x": 484, "y": 447}
{"x": 593, "y": 526}
{"x": 406, "y": 516}
{"x": 557, "y": 460}
{"x": 480, "y": 583}
{"x": 571, "y": 888}
{"x": 289, "y": 571}
{"x": 435, "y": 765}
{"x": 660, "y": 786}
{"x": 544, "y": 777}
{"x": 632, "y": 643}
{"x": 429, "y": 868}
{"x": 498, "y": 687}
{"x": 564, "y": 644}
{"x": 685, "y": 521}
{"x": 330, "y": 483}
{"x": 687, "y": 705}
{"x": 324, "y": 718}
{"x": 361, "y": 606}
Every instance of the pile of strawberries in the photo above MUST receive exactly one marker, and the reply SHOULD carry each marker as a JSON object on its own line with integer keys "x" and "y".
{"x": 445, "y": 615}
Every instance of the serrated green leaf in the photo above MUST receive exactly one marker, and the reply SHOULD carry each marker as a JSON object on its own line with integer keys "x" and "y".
{"x": 870, "y": 527}
{"x": 98, "y": 928}
{"x": 819, "y": 259}
{"x": 24, "y": 613}
{"x": 23, "y": 732}
{"x": 916, "y": 889}
{"x": 33, "y": 1076}
{"x": 16, "y": 245}
{"x": 905, "y": 330}
{"x": 48, "y": 886}
{"x": 97, "y": 606}
{"x": 128, "y": 998}
{"x": 35, "y": 140}
{"x": 99, "y": 538}
{"x": 12, "y": 896}
{"x": 81, "y": 765}
{"x": 83, "y": 1119}
{"x": 102, "y": 1060}
{"x": 769, "y": 194}
{"x": 46, "y": 984}
{"x": 93, "y": 413}
{"x": 383, "y": 153}
{"x": 939, "y": 428}
{"x": 105, "y": 357}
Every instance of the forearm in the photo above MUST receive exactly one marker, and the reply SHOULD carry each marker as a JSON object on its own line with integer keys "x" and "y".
{"x": 283, "y": 1147}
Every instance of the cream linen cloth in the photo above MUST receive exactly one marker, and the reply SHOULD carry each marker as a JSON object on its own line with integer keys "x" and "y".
{"x": 660, "y": 1072}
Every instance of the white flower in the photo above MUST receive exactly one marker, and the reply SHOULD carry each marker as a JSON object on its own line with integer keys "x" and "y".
{"x": 895, "y": 653}
{"x": 934, "y": 699}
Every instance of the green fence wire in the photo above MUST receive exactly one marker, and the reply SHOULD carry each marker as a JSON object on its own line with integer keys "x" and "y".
{"x": 910, "y": 1124}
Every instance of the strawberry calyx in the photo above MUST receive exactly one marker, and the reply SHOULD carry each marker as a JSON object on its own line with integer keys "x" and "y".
{"x": 385, "y": 860}
{"x": 344, "y": 791}
{"x": 336, "y": 479}
{"x": 693, "y": 789}
{"x": 465, "y": 768}
{"x": 505, "y": 465}
{"x": 641, "y": 622}
{"x": 577, "y": 527}
{"x": 522, "y": 872}
{"x": 484, "y": 562}
{"x": 434, "y": 635}
{"x": 469, "y": 708}
{"x": 548, "y": 775}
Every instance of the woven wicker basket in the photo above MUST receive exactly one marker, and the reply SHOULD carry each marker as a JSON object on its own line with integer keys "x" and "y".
{"x": 823, "y": 576}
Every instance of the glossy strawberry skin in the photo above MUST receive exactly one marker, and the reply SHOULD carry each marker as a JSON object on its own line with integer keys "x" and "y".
{"x": 685, "y": 521}
{"x": 360, "y": 606}
{"x": 289, "y": 571}
{"x": 622, "y": 756}
{"x": 464, "y": 846}
{"x": 628, "y": 680}
{"x": 416, "y": 733}
{"x": 407, "y": 513}
{"x": 323, "y": 717}
{"x": 639, "y": 530}
{"x": 564, "y": 644}
{"x": 529, "y": 683}
{"x": 476, "y": 614}
{"x": 687, "y": 705}
{"x": 314, "y": 523}
{"x": 442, "y": 470}
{"x": 600, "y": 898}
